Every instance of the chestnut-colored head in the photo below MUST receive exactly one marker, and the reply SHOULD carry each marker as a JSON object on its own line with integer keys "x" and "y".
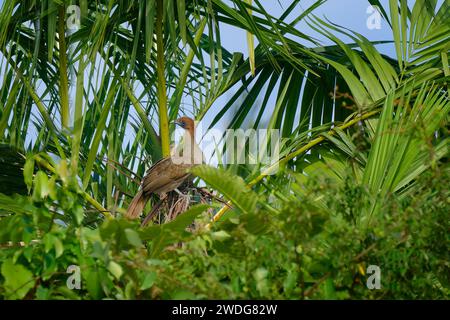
{"x": 186, "y": 123}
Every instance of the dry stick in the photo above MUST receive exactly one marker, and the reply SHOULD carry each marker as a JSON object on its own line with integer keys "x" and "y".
{"x": 118, "y": 187}
{"x": 11, "y": 244}
{"x": 209, "y": 194}
{"x": 116, "y": 199}
{"x": 152, "y": 213}
{"x": 111, "y": 163}
{"x": 292, "y": 155}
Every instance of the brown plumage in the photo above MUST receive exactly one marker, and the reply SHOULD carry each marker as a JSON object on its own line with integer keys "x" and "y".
{"x": 168, "y": 173}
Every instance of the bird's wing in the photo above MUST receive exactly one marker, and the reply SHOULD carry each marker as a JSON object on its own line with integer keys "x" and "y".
{"x": 163, "y": 176}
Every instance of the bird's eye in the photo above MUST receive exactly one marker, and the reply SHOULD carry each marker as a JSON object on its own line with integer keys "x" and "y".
{"x": 183, "y": 124}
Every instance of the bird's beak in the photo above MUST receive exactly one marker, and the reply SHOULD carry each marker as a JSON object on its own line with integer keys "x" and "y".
{"x": 176, "y": 122}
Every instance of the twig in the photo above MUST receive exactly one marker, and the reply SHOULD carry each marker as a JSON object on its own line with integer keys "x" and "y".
{"x": 109, "y": 162}
{"x": 11, "y": 244}
{"x": 152, "y": 213}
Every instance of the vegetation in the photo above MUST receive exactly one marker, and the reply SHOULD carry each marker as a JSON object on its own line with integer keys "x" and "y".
{"x": 363, "y": 171}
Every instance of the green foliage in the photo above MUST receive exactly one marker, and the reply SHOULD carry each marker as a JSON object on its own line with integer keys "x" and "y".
{"x": 310, "y": 249}
{"x": 363, "y": 174}
{"x": 18, "y": 280}
{"x": 172, "y": 232}
{"x": 232, "y": 187}
{"x": 306, "y": 251}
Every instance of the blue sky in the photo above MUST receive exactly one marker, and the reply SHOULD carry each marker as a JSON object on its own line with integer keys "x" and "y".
{"x": 347, "y": 13}
{"x": 351, "y": 14}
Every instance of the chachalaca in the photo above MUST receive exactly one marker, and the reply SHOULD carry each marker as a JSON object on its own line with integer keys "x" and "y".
{"x": 170, "y": 172}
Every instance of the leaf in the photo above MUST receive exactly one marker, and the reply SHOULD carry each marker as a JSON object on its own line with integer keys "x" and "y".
{"x": 42, "y": 293}
{"x": 290, "y": 281}
{"x": 149, "y": 25}
{"x": 78, "y": 214}
{"x": 163, "y": 235}
{"x": 255, "y": 223}
{"x": 93, "y": 283}
{"x": 231, "y": 186}
{"x": 51, "y": 16}
{"x": 396, "y": 158}
{"x": 18, "y": 280}
{"x": 28, "y": 171}
{"x": 181, "y": 10}
{"x": 52, "y": 188}
{"x": 49, "y": 267}
{"x": 260, "y": 276}
{"x": 183, "y": 295}
{"x": 148, "y": 281}
{"x": 251, "y": 45}
{"x": 329, "y": 290}
{"x": 59, "y": 248}
{"x": 115, "y": 269}
{"x": 63, "y": 170}
{"x": 133, "y": 237}
{"x": 41, "y": 188}
{"x": 220, "y": 235}
{"x": 50, "y": 242}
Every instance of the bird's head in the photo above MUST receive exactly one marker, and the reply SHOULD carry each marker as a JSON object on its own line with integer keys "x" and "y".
{"x": 186, "y": 123}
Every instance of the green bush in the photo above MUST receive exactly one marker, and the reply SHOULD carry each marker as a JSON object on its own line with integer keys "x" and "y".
{"x": 306, "y": 251}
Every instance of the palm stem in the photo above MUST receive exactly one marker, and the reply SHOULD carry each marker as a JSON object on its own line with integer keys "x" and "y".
{"x": 63, "y": 79}
{"x": 162, "y": 94}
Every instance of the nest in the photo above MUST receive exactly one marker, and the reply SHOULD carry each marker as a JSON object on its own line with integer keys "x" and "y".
{"x": 174, "y": 203}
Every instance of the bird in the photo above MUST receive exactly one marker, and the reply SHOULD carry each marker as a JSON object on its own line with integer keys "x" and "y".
{"x": 170, "y": 172}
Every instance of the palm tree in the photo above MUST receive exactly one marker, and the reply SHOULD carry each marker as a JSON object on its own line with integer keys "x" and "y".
{"x": 102, "y": 97}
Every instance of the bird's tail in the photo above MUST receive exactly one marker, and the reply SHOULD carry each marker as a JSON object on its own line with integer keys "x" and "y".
{"x": 137, "y": 205}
